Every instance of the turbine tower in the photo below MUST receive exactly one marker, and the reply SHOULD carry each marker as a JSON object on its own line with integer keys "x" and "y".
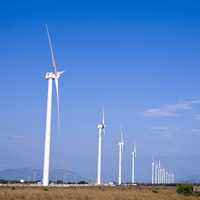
{"x": 133, "y": 163}
{"x": 164, "y": 176}
{"x": 159, "y": 174}
{"x": 167, "y": 177}
{"x": 173, "y": 178}
{"x": 121, "y": 145}
{"x": 50, "y": 76}
{"x": 156, "y": 173}
{"x": 101, "y": 128}
{"x": 153, "y": 172}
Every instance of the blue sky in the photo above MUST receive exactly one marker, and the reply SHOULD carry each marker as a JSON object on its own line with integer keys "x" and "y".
{"x": 140, "y": 59}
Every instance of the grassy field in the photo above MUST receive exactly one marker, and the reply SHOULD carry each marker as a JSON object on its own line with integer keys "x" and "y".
{"x": 90, "y": 193}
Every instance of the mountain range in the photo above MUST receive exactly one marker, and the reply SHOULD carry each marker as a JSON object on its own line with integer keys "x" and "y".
{"x": 29, "y": 174}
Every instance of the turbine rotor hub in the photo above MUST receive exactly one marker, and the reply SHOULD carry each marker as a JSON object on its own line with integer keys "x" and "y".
{"x": 53, "y": 75}
{"x": 121, "y": 143}
{"x": 101, "y": 126}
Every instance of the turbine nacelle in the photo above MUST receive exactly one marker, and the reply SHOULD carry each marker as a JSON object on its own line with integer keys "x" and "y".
{"x": 101, "y": 126}
{"x": 121, "y": 144}
{"x": 53, "y": 75}
{"x": 133, "y": 154}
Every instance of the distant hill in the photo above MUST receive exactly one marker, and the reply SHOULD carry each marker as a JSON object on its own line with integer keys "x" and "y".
{"x": 36, "y": 174}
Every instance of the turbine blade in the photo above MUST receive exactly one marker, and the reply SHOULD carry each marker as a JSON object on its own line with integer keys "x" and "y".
{"x": 135, "y": 149}
{"x": 58, "y": 101}
{"x": 122, "y": 138}
{"x": 51, "y": 49}
{"x": 103, "y": 118}
{"x": 104, "y": 131}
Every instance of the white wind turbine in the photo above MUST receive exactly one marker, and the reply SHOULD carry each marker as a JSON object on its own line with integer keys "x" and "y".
{"x": 153, "y": 172}
{"x": 162, "y": 175}
{"x": 173, "y": 178}
{"x": 164, "y": 178}
{"x": 101, "y": 128}
{"x": 167, "y": 177}
{"x": 159, "y": 173}
{"x": 156, "y": 172}
{"x": 133, "y": 163}
{"x": 121, "y": 145}
{"x": 50, "y": 76}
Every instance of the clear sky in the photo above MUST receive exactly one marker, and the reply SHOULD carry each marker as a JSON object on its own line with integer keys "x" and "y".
{"x": 140, "y": 59}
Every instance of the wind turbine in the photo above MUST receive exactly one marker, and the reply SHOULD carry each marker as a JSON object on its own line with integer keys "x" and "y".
{"x": 50, "y": 76}
{"x": 121, "y": 145}
{"x": 153, "y": 172}
{"x": 133, "y": 163}
{"x": 167, "y": 177}
{"x": 101, "y": 128}
{"x": 156, "y": 172}
{"x": 164, "y": 176}
{"x": 173, "y": 178}
{"x": 159, "y": 173}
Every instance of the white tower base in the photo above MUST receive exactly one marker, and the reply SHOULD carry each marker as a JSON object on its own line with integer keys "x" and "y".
{"x": 133, "y": 168}
{"x": 120, "y": 165}
{"x": 45, "y": 180}
{"x": 99, "y": 158}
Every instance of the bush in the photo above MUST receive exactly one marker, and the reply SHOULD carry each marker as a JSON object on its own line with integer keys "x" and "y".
{"x": 13, "y": 188}
{"x": 82, "y": 182}
{"x": 45, "y": 189}
{"x": 155, "y": 190}
{"x": 185, "y": 189}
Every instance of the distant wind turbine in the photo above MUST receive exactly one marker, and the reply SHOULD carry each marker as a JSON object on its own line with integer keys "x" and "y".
{"x": 156, "y": 172}
{"x": 121, "y": 145}
{"x": 159, "y": 173}
{"x": 101, "y": 128}
{"x": 133, "y": 163}
{"x": 50, "y": 76}
{"x": 173, "y": 178}
{"x": 164, "y": 174}
{"x": 153, "y": 172}
{"x": 167, "y": 177}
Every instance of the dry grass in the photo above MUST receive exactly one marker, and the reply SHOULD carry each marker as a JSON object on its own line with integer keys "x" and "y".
{"x": 91, "y": 193}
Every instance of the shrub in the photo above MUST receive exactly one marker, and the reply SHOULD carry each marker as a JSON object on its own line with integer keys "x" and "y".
{"x": 13, "y": 188}
{"x": 185, "y": 189}
{"x": 46, "y": 189}
{"x": 155, "y": 190}
{"x": 82, "y": 182}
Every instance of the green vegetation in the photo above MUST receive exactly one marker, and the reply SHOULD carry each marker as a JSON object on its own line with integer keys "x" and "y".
{"x": 185, "y": 189}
